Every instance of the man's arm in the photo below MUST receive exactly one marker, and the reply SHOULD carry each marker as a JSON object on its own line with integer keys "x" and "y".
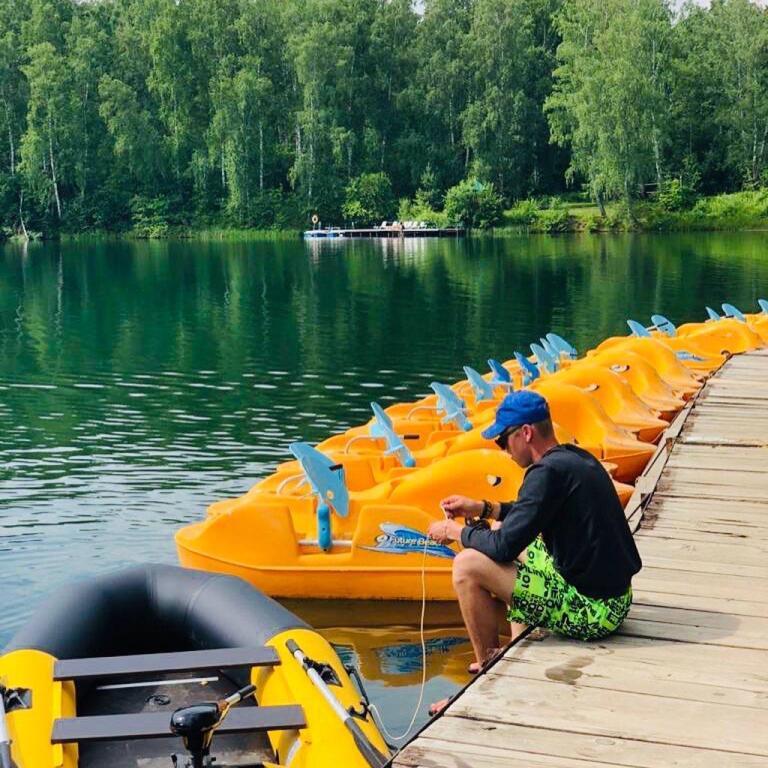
{"x": 537, "y": 503}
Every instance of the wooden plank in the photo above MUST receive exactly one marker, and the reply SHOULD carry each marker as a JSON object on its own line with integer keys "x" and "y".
{"x": 746, "y": 626}
{"x": 152, "y": 663}
{"x": 680, "y": 532}
{"x": 155, "y": 725}
{"x": 706, "y": 509}
{"x": 675, "y": 661}
{"x": 728, "y": 605}
{"x": 754, "y": 534}
{"x": 726, "y": 555}
{"x": 686, "y": 633}
{"x": 560, "y": 706}
{"x": 727, "y": 423}
{"x": 704, "y": 477}
{"x": 724, "y": 493}
{"x": 722, "y": 527}
{"x": 720, "y": 457}
{"x": 701, "y": 583}
{"x": 586, "y": 748}
{"x": 631, "y": 674}
{"x": 437, "y": 753}
{"x": 683, "y": 683}
{"x": 706, "y": 416}
{"x": 719, "y": 512}
{"x": 710, "y": 437}
{"x": 699, "y": 504}
{"x": 728, "y": 567}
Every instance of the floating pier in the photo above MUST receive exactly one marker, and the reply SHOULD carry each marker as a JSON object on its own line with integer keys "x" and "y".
{"x": 386, "y": 232}
{"x": 685, "y": 681}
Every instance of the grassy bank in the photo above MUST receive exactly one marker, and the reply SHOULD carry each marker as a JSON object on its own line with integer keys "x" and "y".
{"x": 740, "y": 210}
{"x": 235, "y": 234}
{"x": 736, "y": 211}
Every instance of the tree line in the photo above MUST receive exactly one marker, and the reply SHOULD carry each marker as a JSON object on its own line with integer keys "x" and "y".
{"x": 120, "y": 114}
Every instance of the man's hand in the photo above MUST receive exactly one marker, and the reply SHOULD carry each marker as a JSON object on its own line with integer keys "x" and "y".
{"x": 461, "y": 506}
{"x": 443, "y": 531}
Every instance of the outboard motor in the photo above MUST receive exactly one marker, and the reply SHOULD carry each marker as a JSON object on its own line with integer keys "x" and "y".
{"x": 197, "y": 723}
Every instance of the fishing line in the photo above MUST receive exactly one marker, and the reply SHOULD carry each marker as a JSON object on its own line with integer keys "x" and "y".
{"x": 422, "y": 687}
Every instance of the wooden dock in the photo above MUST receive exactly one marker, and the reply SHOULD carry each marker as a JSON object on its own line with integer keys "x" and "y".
{"x": 382, "y": 232}
{"x": 685, "y": 681}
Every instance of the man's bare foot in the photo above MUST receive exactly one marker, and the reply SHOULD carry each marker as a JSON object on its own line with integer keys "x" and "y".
{"x": 475, "y": 667}
{"x": 438, "y": 706}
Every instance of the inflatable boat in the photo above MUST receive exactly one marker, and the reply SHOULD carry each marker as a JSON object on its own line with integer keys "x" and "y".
{"x": 135, "y": 666}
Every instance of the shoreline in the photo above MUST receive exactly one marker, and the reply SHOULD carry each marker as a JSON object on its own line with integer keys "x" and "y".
{"x": 244, "y": 235}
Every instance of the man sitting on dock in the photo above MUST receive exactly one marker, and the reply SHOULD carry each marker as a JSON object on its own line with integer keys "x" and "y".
{"x": 561, "y": 555}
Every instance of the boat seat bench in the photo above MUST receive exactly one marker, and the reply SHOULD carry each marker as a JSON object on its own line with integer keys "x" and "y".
{"x": 182, "y": 661}
{"x": 156, "y": 725}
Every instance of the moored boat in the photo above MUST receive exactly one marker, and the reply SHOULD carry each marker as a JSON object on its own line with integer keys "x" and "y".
{"x": 128, "y": 668}
{"x": 348, "y": 519}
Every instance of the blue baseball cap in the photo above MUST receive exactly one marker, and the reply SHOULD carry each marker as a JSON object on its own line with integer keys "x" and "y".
{"x": 524, "y": 407}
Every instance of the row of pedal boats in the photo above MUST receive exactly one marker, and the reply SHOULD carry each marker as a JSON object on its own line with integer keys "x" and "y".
{"x": 347, "y": 517}
{"x": 126, "y": 668}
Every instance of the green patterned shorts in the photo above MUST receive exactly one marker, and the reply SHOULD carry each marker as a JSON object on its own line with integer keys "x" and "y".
{"x": 543, "y": 598}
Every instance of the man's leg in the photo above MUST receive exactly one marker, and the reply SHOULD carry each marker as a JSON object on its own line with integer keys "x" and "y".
{"x": 476, "y": 579}
{"x": 515, "y": 628}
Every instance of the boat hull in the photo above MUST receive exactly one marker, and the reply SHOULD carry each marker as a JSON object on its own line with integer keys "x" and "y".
{"x": 334, "y": 583}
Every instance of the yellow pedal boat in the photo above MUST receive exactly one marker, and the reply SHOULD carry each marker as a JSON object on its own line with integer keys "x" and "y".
{"x": 348, "y": 519}
{"x": 370, "y": 545}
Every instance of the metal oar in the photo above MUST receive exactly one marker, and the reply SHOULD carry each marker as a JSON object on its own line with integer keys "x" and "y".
{"x": 367, "y": 750}
{"x": 5, "y": 740}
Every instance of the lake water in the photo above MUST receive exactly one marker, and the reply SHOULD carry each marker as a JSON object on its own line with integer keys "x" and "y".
{"x": 141, "y": 381}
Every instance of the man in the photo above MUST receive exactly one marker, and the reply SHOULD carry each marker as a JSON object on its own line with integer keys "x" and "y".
{"x": 562, "y": 555}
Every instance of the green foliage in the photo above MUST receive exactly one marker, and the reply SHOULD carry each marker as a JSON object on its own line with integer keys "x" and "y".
{"x": 510, "y": 52}
{"x": 473, "y": 204}
{"x": 742, "y": 206}
{"x": 428, "y": 195}
{"x": 593, "y": 223}
{"x": 720, "y": 93}
{"x": 150, "y": 217}
{"x": 674, "y": 195}
{"x": 553, "y": 219}
{"x": 369, "y": 199}
{"x": 257, "y": 114}
{"x": 618, "y": 218}
{"x": 417, "y": 211}
{"x": 609, "y": 103}
{"x": 9, "y": 203}
{"x": 522, "y": 212}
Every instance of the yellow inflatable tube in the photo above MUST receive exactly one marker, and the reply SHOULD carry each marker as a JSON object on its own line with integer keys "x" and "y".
{"x": 328, "y": 744}
{"x": 33, "y": 670}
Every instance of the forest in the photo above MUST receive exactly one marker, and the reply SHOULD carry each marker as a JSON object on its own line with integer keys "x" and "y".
{"x": 145, "y": 115}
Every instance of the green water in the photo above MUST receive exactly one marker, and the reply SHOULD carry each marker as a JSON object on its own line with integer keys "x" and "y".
{"x": 141, "y": 381}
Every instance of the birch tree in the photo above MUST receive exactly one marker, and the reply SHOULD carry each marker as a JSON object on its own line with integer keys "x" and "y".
{"x": 610, "y": 100}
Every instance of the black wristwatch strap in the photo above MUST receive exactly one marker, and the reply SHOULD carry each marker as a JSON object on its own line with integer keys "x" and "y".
{"x": 487, "y": 510}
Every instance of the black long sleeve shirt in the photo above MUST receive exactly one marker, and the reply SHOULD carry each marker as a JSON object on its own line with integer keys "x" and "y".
{"x": 568, "y": 498}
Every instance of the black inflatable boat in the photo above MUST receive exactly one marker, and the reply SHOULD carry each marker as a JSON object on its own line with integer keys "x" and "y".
{"x": 99, "y": 673}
